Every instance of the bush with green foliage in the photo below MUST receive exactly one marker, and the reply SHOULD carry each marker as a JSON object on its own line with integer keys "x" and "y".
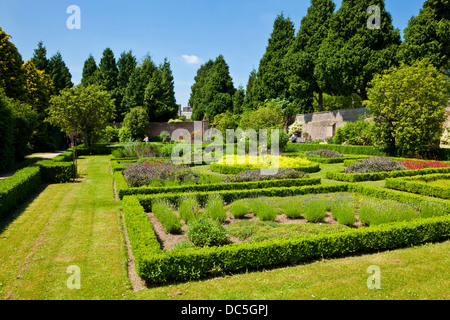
{"x": 214, "y": 208}
{"x": 164, "y": 212}
{"x": 206, "y": 232}
{"x": 375, "y": 164}
{"x": 408, "y": 104}
{"x": 16, "y": 189}
{"x": 136, "y": 120}
{"x": 358, "y": 133}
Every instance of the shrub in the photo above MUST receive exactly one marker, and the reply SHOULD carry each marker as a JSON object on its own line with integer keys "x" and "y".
{"x": 239, "y": 209}
{"x": 373, "y": 212}
{"x": 188, "y": 207}
{"x": 255, "y": 175}
{"x": 315, "y": 208}
{"x": 375, "y": 164}
{"x": 214, "y": 208}
{"x": 125, "y": 134}
{"x": 205, "y": 232}
{"x": 142, "y": 174}
{"x": 165, "y": 136}
{"x": 136, "y": 120}
{"x": 358, "y": 133}
{"x": 15, "y": 189}
{"x": 263, "y": 209}
{"x": 55, "y": 172}
{"x": 163, "y": 211}
{"x": 408, "y": 120}
{"x": 343, "y": 210}
{"x": 323, "y": 153}
{"x": 296, "y": 128}
{"x": 292, "y": 208}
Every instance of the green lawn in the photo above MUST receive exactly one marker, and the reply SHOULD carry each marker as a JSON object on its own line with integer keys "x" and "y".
{"x": 80, "y": 224}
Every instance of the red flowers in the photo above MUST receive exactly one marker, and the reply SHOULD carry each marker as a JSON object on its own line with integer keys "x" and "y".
{"x": 416, "y": 165}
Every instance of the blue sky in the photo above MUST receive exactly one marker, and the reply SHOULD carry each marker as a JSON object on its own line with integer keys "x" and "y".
{"x": 187, "y": 32}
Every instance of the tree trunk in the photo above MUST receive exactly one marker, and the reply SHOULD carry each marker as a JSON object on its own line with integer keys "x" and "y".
{"x": 86, "y": 140}
{"x": 320, "y": 101}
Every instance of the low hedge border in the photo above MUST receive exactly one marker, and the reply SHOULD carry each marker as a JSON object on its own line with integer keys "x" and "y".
{"x": 344, "y": 149}
{"x": 405, "y": 184}
{"x": 374, "y": 176}
{"x": 15, "y": 189}
{"x": 233, "y": 195}
{"x": 234, "y": 169}
{"x": 124, "y": 190}
{"x": 161, "y": 266}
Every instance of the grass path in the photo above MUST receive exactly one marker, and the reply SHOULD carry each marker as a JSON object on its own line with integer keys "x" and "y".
{"x": 79, "y": 224}
{"x": 67, "y": 224}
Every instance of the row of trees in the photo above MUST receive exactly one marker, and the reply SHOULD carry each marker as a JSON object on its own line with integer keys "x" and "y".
{"x": 329, "y": 62}
{"x": 134, "y": 85}
{"x": 25, "y": 92}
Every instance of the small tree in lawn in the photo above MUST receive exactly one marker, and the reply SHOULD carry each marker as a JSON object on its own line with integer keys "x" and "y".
{"x": 82, "y": 109}
{"x": 408, "y": 103}
{"x": 137, "y": 122}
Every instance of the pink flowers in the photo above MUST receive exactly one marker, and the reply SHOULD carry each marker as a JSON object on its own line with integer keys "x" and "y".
{"x": 416, "y": 165}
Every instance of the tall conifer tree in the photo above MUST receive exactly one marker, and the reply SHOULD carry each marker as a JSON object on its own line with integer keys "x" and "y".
{"x": 39, "y": 58}
{"x": 59, "y": 73}
{"x": 353, "y": 53}
{"x": 300, "y": 61}
{"x": 427, "y": 35}
{"x": 90, "y": 72}
{"x": 270, "y": 80}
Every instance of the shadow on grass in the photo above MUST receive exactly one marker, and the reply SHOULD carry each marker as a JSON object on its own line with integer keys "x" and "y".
{"x": 6, "y": 221}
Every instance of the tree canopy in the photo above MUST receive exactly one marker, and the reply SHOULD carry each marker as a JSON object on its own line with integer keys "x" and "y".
{"x": 352, "y": 53}
{"x": 82, "y": 109}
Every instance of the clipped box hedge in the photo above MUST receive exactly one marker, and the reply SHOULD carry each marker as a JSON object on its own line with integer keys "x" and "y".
{"x": 161, "y": 266}
{"x": 419, "y": 187}
{"x": 15, "y": 189}
{"x": 344, "y": 149}
{"x": 123, "y": 189}
{"x": 374, "y": 176}
{"x": 235, "y": 169}
{"x": 233, "y": 195}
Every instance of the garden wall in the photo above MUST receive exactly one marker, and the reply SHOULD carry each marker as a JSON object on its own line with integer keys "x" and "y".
{"x": 155, "y": 128}
{"x": 322, "y": 125}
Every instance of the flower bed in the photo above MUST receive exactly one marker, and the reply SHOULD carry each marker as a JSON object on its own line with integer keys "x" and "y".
{"x": 161, "y": 266}
{"x": 417, "y": 165}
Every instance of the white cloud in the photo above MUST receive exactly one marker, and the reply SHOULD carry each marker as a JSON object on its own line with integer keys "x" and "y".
{"x": 191, "y": 59}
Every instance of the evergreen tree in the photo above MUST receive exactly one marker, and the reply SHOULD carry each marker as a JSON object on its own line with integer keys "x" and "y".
{"x": 6, "y": 133}
{"x": 427, "y": 35}
{"x": 108, "y": 71}
{"x": 196, "y": 98}
{"x": 59, "y": 73}
{"x": 139, "y": 80}
{"x": 126, "y": 65}
{"x": 159, "y": 98}
{"x": 300, "y": 61}
{"x": 271, "y": 81}
{"x": 212, "y": 94}
{"x": 12, "y": 76}
{"x": 248, "y": 101}
{"x": 39, "y": 58}
{"x": 352, "y": 53}
{"x": 238, "y": 101}
{"x": 39, "y": 88}
{"x": 90, "y": 72}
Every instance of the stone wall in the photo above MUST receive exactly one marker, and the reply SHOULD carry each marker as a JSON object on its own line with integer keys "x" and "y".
{"x": 155, "y": 128}
{"x": 323, "y": 125}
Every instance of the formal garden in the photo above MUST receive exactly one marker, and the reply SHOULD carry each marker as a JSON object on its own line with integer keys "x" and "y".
{"x": 268, "y": 212}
